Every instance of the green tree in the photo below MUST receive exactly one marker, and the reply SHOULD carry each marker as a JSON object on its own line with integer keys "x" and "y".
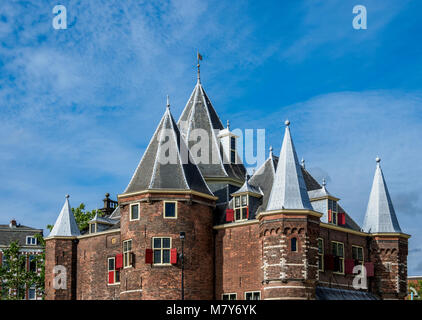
{"x": 82, "y": 217}
{"x": 14, "y": 276}
{"x": 418, "y": 287}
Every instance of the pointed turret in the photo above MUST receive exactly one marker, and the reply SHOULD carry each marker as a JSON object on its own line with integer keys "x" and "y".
{"x": 200, "y": 114}
{"x": 166, "y": 163}
{"x": 289, "y": 188}
{"x": 65, "y": 225}
{"x": 380, "y": 216}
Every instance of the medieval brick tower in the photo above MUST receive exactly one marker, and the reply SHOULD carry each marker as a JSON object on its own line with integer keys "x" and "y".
{"x": 289, "y": 228}
{"x": 61, "y": 257}
{"x": 389, "y": 245}
{"x": 277, "y": 234}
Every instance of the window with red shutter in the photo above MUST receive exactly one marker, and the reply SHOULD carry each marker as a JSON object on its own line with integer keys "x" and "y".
{"x": 111, "y": 277}
{"x": 173, "y": 256}
{"x": 342, "y": 218}
{"x": 349, "y": 264}
{"x": 329, "y": 216}
{"x": 247, "y": 212}
{"x": 369, "y": 269}
{"x": 119, "y": 260}
{"x": 148, "y": 256}
{"x": 229, "y": 215}
{"x": 329, "y": 262}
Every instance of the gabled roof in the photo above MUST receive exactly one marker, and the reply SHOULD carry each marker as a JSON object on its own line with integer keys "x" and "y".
{"x": 65, "y": 225}
{"x": 289, "y": 188}
{"x": 247, "y": 188}
{"x": 200, "y": 114}
{"x": 380, "y": 216}
{"x": 166, "y": 163}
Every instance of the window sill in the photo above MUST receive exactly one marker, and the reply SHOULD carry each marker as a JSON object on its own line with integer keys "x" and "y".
{"x": 113, "y": 284}
{"x": 162, "y": 264}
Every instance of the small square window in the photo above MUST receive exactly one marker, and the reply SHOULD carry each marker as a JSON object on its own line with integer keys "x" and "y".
{"x": 170, "y": 209}
{"x": 134, "y": 212}
{"x": 229, "y": 296}
{"x": 161, "y": 247}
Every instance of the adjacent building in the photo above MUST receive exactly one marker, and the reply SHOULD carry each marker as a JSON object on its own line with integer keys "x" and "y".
{"x": 29, "y": 246}
{"x": 278, "y": 234}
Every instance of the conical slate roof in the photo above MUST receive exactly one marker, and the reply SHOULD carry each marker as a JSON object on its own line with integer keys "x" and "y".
{"x": 289, "y": 188}
{"x": 65, "y": 225}
{"x": 200, "y": 114}
{"x": 380, "y": 216}
{"x": 166, "y": 163}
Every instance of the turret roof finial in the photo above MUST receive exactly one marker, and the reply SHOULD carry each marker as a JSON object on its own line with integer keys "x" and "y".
{"x": 228, "y": 124}
{"x": 287, "y": 123}
{"x": 324, "y": 183}
{"x": 67, "y": 196}
{"x": 168, "y": 102}
{"x": 199, "y": 57}
{"x": 303, "y": 163}
{"x": 271, "y": 151}
{"x": 378, "y": 160}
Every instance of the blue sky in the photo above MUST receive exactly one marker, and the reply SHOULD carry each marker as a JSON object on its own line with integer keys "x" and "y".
{"x": 79, "y": 106}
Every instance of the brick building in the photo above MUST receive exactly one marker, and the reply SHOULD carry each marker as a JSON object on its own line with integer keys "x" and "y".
{"x": 277, "y": 234}
{"x": 29, "y": 247}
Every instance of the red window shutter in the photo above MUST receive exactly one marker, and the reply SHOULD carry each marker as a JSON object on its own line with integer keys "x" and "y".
{"x": 229, "y": 215}
{"x": 148, "y": 256}
{"x": 329, "y": 215}
{"x": 247, "y": 212}
{"x": 342, "y": 218}
{"x": 119, "y": 260}
{"x": 173, "y": 256}
{"x": 369, "y": 269}
{"x": 111, "y": 277}
{"x": 348, "y": 266}
{"x": 329, "y": 262}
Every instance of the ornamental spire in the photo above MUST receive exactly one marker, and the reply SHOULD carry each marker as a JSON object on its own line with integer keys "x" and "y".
{"x": 199, "y": 58}
{"x": 380, "y": 215}
{"x": 65, "y": 225}
{"x": 289, "y": 188}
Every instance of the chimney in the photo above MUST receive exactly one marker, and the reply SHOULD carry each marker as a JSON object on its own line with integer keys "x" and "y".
{"x": 12, "y": 223}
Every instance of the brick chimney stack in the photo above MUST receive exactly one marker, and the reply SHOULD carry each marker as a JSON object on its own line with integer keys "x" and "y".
{"x": 12, "y": 223}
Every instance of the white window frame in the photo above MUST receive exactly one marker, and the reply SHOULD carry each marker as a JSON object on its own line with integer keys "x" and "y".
{"x": 164, "y": 210}
{"x": 252, "y": 292}
{"x": 341, "y": 258}
{"x": 229, "y": 294}
{"x": 127, "y": 254}
{"x": 161, "y": 249}
{"x": 95, "y": 228}
{"x": 35, "y": 292}
{"x": 240, "y": 207}
{"x": 363, "y": 253}
{"x": 31, "y": 244}
{"x": 130, "y": 211}
{"x": 114, "y": 270}
{"x": 334, "y": 214}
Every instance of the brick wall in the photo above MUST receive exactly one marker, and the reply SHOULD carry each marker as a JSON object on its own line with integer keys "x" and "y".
{"x": 238, "y": 256}
{"x": 146, "y": 281}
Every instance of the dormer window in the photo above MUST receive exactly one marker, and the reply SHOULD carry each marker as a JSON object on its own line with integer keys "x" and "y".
{"x": 232, "y": 149}
{"x": 92, "y": 228}
{"x": 241, "y": 210}
{"x": 32, "y": 241}
{"x": 332, "y": 212}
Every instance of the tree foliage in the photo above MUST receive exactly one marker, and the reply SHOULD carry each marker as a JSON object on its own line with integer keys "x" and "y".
{"x": 418, "y": 287}
{"x": 14, "y": 275}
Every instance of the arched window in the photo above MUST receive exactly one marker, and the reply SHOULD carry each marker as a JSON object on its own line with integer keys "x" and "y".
{"x": 293, "y": 244}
